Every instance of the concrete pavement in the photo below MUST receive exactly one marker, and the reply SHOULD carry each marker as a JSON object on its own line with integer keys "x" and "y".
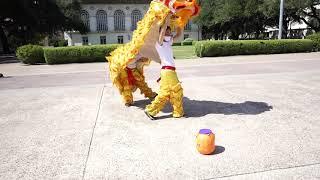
{"x": 67, "y": 122}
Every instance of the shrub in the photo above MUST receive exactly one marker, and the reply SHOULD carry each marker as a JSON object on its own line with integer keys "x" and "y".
{"x": 316, "y": 40}
{"x": 187, "y": 42}
{"x": 61, "y": 43}
{"x": 30, "y": 54}
{"x": 176, "y": 44}
{"x": 58, "y": 43}
{"x": 194, "y": 43}
{"x": 78, "y": 54}
{"x": 247, "y": 47}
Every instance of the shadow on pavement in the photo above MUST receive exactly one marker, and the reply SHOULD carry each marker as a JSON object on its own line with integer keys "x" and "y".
{"x": 196, "y": 108}
{"x": 218, "y": 150}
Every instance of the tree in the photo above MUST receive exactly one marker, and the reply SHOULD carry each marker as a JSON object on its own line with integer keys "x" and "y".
{"x": 233, "y": 17}
{"x": 305, "y": 11}
{"x": 29, "y": 19}
{"x": 220, "y": 17}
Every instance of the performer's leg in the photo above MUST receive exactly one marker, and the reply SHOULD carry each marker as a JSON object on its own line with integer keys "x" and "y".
{"x": 168, "y": 79}
{"x": 127, "y": 97}
{"x": 176, "y": 99}
{"x": 159, "y": 102}
{"x": 126, "y": 91}
{"x": 142, "y": 85}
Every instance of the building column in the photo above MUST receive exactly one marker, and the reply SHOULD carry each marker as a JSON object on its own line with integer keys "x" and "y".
{"x": 128, "y": 23}
{"x": 111, "y": 23}
{"x": 93, "y": 23}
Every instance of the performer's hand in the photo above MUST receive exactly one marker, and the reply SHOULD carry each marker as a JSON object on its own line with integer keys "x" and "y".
{"x": 163, "y": 29}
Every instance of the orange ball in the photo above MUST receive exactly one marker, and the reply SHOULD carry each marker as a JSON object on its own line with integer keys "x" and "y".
{"x": 206, "y": 142}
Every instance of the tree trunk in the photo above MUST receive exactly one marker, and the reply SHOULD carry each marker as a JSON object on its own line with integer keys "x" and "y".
{"x": 234, "y": 35}
{"x": 257, "y": 34}
{"x": 4, "y": 41}
{"x": 285, "y": 28}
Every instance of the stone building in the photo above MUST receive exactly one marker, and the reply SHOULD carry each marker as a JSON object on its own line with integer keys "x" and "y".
{"x": 113, "y": 21}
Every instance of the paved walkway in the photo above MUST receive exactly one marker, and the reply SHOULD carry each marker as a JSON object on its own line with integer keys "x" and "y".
{"x": 67, "y": 121}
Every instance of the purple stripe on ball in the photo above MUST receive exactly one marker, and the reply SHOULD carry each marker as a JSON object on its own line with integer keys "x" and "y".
{"x": 205, "y": 131}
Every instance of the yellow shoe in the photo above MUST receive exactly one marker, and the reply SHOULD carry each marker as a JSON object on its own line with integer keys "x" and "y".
{"x": 128, "y": 104}
{"x": 178, "y": 116}
{"x": 152, "y": 98}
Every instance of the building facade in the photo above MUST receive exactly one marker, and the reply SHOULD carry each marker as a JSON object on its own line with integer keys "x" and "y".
{"x": 296, "y": 30}
{"x": 113, "y": 22}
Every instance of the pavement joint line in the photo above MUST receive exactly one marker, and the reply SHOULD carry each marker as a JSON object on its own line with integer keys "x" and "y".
{"x": 207, "y": 62}
{"x": 249, "y": 74}
{"x": 186, "y": 78}
{"x": 267, "y": 170}
{"x": 237, "y": 62}
{"x": 92, "y": 134}
{"x": 59, "y": 73}
{"x": 56, "y": 86}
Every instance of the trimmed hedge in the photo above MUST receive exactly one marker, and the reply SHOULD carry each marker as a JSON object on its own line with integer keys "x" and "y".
{"x": 316, "y": 40}
{"x": 187, "y": 42}
{"x": 78, "y": 54}
{"x": 194, "y": 43}
{"x": 248, "y": 47}
{"x": 30, "y": 54}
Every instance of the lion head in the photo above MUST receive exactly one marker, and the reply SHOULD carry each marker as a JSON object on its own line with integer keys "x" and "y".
{"x": 183, "y": 10}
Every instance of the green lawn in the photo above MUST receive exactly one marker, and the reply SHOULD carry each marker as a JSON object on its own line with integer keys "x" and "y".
{"x": 184, "y": 52}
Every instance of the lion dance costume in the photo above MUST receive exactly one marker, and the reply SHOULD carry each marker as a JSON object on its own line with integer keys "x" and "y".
{"x": 133, "y": 78}
{"x": 143, "y": 44}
